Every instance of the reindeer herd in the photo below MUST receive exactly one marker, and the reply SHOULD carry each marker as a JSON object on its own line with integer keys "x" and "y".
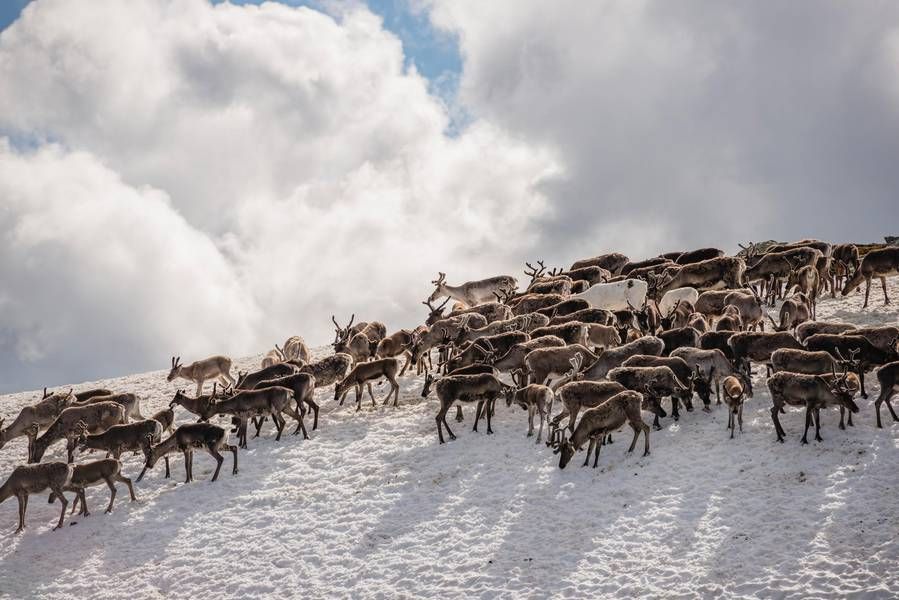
{"x": 606, "y": 339}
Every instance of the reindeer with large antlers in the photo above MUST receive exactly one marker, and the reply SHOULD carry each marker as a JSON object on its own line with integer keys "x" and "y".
{"x": 472, "y": 293}
{"x": 201, "y": 371}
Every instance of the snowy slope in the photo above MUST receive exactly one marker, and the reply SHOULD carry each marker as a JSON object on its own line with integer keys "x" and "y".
{"x": 372, "y": 506}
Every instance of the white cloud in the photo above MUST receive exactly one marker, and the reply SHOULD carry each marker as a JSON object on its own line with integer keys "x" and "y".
{"x": 222, "y": 177}
{"x": 706, "y": 123}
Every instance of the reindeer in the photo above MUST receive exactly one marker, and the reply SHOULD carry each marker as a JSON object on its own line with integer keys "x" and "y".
{"x": 613, "y": 357}
{"x": 201, "y": 371}
{"x": 677, "y": 316}
{"x": 810, "y": 328}
{"x": 572, "y": 332}
{"x": 483, "y": 389}
{"x": 32, "y": 419}
{"x": 513, "y": 360}
{"x": 682, "y": 337}
{"x": 33, "y": 479}
{"x": 710, "y": 365}
{"x": 576, "y": 395}
{"x": 649, "y": 262}
{"x": 654, "y": 383}
{"x": 394, "y": 345}
{"x": 695, "y": 256}
{"x": 734, "y": 395}
{"x": 201, "y": 436}
{"x": 590, "y": 276}
{"x": 868, "y": 355}
{"x": 74, "y": 421}
{"x": 364, "y": 374}
{"x": 472, "y": 293}
{"x": 198, "y": 406}
{"x": 328, "y": 370}
{"x": 877, "y": 263}
{"x": 295, "y": 349}
{"x": 749, "y": 308}
{"x": 814, "y": 392}
{"x": 543, "y": 364}
{"x": 597, "y": 423}
{"x": 482, "y": 314}
{"x": 717, "y": 340}
{"x": 273, "y": 357}
{"x": 845, "y": 263}
{"x": 682, "y": 371}
{"x": 137, "y": 437}
{"x": 435, "y": 313}
{"x": 533, "y": 398}
{"x": 888, "y": 377}
{"x": 793, "y": 312}
{"x": 599, "y": 316}
{"x": 714, "y": 273}
{"x": 730, "y": 320}
{"x": 302, "y": 385}
{"x": 130, "y": 402}
{"x": 808, "y": 282}
{"x": 268, "y": 401}
{"x": 616, "y": 295}
{"x": 612, "y": 262}
{"x": 105, "y": 470}
{"x": 757, "y": 346}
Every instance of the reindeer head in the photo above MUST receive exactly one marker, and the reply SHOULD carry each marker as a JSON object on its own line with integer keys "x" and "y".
{"x": 439, "y": 285}
{"x": 667, "y": 320}
{"x": 341, "y": 334}
{"x": 176, "y": 368}
{"x": 177, "y": 399}
{"x": 702, "y": 385}
{"x": 566, "y": 449}
{"x": 429, "y": 380}
{"x": 435, "y": 314}
{"x": 504, "y": 295}
{"x": 533, "y": 272}
{"x": 841, "y": 388}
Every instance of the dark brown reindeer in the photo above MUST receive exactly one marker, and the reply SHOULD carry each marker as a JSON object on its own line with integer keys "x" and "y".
{"x": 877, "y": 263}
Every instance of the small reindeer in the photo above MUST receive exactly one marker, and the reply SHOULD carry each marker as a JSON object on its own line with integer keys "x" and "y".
{"x": 734, "y": 395}
{"x": 364, "y": 374}
{"x": 201, "y": 371}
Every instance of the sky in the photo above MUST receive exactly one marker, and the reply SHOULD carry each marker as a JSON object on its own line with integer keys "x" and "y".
{"x": 179, "y": 177}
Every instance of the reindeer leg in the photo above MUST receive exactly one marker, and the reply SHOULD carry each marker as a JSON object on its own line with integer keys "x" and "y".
{"x": 219, "y": 459}
{"x": 370, "y": 394}
{"x": 167, "y": 467}
{"x": 842, "y": 415}
{"x": 867, "y": 291}
{"x": 740, "y": 418}
{"x": 489, "y": 409}
{"x": 62, "y": 513}
{"x": 543, "y": 417}
{"x": 531, "y": 410}
{"x": 200, "y": 388}
{"x": 775, "y": 410}
{"x": 861, "y": 377}
{"x": 589, "y": 450}
{"x": 637, "y": 429}
{"x": 883, "y": 284}
{"x": 459, "y": 417}
{"x": 477, "y": 415}
{"x": 808, "y": 421}
{"x": 187, "y": 466}
{"x": 112, "y": 493}
{"x": 127, "y": 482}
{"x": 314, "y": 408}
{"x": 233, "y": 450}
{"x": 596, "y": 456}
{"x": 675, "y": 414}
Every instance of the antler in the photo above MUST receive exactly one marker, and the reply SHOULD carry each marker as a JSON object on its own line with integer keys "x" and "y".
{"x": 533, "y": 271}
{"x": 336, "y": 324}
{"x": 440, "y": 278}
{"x": 280, "y": 352}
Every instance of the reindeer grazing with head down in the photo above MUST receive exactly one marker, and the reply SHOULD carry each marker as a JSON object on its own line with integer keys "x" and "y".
{"x": 472, "y": 293}
{"x": 209, "y": 369}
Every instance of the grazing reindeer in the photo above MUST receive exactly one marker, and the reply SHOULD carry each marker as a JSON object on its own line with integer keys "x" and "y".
{"x": 247, "y": 381}
{"x": 139, "y": 436}
{"x": 201, "y": 371}
{"x": 473, "y": 292}
{"x": 543, "y": 364}
{"x": 597, "y": 423}
{"x": 654, "y": 383}
{"x": 201, "y": 436}
{"x": 576, "y": 395}
{"x": 813, "y": 392}
{"x": 75, "y": 420}
{"x": 793, "y": 312}
{"x": 364, "y": 374}
{"x": 32, "y": 419}
{"x": 483, "y": 389}
{"x": 734, "y": 394}
{"x": 877, "y": 263}
{"x": 714, "y": 273}
{"x": 888, "y": 376}
{"x": 868, "y": 354}
{"x": 533, "y": 398}
{"x": 105, "y": 470}
{"x": 710, "y": 365}
{"x": 567, "y": 309}
{"x": 730, "y": 320}
{"x": 34, "y": 479}
{"x": 748, "y": 346}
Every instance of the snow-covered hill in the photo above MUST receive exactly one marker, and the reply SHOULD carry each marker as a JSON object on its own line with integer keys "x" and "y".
{"x": 372, "y": 506}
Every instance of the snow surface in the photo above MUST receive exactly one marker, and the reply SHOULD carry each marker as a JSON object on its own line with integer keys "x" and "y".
{"x": 373, "y": 506}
